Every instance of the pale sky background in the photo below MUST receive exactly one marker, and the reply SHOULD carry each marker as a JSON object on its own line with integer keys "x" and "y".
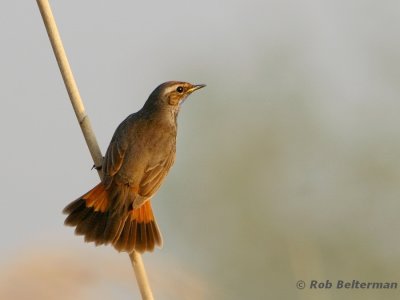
{"x": 288, "y": 163}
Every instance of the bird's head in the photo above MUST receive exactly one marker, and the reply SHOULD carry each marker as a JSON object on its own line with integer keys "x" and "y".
{"x": 172, "y": 93}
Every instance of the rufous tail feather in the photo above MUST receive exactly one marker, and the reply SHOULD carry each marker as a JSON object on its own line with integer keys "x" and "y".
{"x": 94, "y": 216}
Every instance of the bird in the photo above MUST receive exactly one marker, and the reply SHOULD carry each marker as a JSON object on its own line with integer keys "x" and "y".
{"x": 141, "y": 152}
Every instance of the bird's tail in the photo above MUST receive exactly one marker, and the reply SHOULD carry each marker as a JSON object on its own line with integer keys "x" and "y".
{"x": 96, "y": 216}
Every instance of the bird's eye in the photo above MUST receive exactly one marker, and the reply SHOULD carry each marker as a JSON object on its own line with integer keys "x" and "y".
{"x": 179, "y": 89}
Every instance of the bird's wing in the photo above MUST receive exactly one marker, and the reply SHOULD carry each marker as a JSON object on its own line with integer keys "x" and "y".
{"x": 114, "y": 157}
{"x": 154, "y": 175}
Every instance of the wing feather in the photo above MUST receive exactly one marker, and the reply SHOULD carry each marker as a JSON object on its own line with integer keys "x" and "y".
{"x": 154, "y": 176}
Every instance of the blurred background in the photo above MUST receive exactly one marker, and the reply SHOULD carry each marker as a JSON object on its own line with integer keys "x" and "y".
{"x": 288, "y": 163}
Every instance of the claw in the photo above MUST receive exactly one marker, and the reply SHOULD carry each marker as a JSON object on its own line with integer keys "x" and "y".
{"x": 98, "y": 168}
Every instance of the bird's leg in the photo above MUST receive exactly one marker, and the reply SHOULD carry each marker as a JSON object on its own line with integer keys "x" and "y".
{"x": 98, "y": 168}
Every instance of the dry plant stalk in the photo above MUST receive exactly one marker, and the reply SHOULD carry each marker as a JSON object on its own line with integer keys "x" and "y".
{"x": 84, "y": 122}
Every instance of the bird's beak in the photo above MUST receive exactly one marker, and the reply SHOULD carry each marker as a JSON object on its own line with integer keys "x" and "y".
{"x": 195, "y": 88}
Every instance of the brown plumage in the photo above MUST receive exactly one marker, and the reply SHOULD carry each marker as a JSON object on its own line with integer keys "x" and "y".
{"x": 118, "y": 211}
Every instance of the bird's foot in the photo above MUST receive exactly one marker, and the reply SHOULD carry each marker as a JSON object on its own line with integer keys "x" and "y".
{"x": 98, "y": 168}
